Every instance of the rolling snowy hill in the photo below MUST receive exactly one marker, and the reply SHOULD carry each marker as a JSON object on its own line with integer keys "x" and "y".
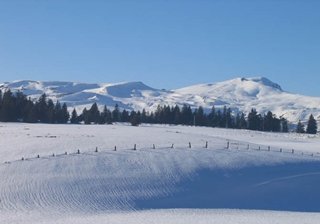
{"x": 241, "y": 94}
{"x": 156, "y": 184}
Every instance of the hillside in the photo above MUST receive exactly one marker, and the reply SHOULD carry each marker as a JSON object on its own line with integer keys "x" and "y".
{"x": 241, "y": 94}
{"x": 155, "y": 185}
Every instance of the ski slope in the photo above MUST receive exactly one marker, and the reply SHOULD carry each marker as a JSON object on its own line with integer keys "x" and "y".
{"x": 156, "y": 184}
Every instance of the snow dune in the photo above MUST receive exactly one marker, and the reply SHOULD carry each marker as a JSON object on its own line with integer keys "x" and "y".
{"x": 178, "y": 184}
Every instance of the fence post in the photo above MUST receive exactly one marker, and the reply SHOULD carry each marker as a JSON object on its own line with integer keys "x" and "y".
{"x": 280, "y": 149}
{"x": 115, "y": 148}
{"x": 153, "y": 146}
{"x": 206, "y": 145}
{"x": 135, "y": 147}
{"x": 190, "y": 145}
{"x": 259, "y": 148}
{"x": 228, "y": 145}
{"x": 248, "y": 147}
{"x": 292, "y": 151}
{"x": 96, "y": 149}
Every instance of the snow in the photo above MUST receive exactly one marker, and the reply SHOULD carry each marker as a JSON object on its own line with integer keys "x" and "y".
{"x": 161, "y": 185}
{"x": 241, "y": 94}
{"x": 175, "y": 216}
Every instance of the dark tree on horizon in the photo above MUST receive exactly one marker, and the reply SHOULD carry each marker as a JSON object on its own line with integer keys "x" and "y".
{"x": 312, "y": 125}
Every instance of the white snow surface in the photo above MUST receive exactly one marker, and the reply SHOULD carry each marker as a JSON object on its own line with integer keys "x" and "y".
{"x": 160, "y": 184}
{"x": 241, "y": 94}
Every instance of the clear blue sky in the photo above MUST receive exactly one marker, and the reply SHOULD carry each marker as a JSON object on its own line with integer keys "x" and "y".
{"x": 164, "y": 43}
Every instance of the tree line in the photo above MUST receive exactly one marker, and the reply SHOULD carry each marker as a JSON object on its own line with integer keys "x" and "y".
{"x": 16, "y": 107}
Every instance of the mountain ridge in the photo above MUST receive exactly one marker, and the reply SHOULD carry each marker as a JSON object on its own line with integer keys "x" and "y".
{"x": 240, "y": 94}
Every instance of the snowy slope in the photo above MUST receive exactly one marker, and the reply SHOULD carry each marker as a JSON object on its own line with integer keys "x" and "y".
{"x": 112, "y": 185}
{"x": 241, "y": 94}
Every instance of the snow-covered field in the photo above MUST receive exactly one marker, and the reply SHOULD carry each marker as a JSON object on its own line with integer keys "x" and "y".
{"x": 249, "y": 182}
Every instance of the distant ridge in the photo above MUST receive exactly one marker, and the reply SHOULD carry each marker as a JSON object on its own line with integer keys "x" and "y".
{"x": 241, "y": 94}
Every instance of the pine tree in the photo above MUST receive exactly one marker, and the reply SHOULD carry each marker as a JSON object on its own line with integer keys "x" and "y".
{"x": 135, "y": 118}
{"x": 30, "y": 113}
{"x": 42, "y": 109}
{"x": 57, "y": 113}
{"x": 65, "y": 113}
{"x": 20, "y": 102}
{"x": 254, "y": 120}
{"x": 94, "y": 113}
{"x": 268, "y": 122}
{"x": 199, "y": 116}
{"x": 186, "y": 115}
{"x": 50, "y": 112}
{"x": 312, "y": 125}
{"x": 8, "y": 107}
{"x": 86, "y": 116}
{"x": 284, "y": 125}
{"x": 0, "y": 105}
{"x": 241, "y": 122}
{"x": 176, "y": 115}
{"x": 116, "y": 114}
{"x": 144, "y": 116}
{"x": 106, "y": 116}
{"x": 300, "y": 128}
{"x": 125, "y": 117}
{"x": 74, "y": 117}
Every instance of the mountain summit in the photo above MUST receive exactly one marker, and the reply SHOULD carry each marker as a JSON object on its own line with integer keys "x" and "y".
{"x": 241, "y": 94}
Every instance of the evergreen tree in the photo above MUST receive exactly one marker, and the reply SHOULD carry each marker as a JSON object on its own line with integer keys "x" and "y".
{"x": 284, "y": 125}
{"x": 312, "y": 125}
{"x": 159, "y": 115}
{"x": 300, "y": 127}
{"x": 50, "y": 112}
{"x": 0, "y": 105}
{"x": 116, "y": 114}
{"x": 241, "y": 122}
{"x": 30, "y": 113}
{"x": 211, "y": 117}
{"x": 8, "y": 110}
{"x": 135, "y": 118}
{"x": 229, "y": 119}
{"x": 186, "y": 115}
{"x": 64, "y": 114}
{"x": 125, "y": 117}
{"x": 254, "y": 120}
{"x": 94, "y": 114}
{"x": 268, "y": 122}
{"x": 199, "y": 117}
{"x": 176, "y": 115}
{"x": 106, "y": 116}
{"x": 86, "y": 116}
{"x": 74, "y": 117}
{"x": 20, "y": 102}
{"x": 42, "y": 109}
{"x": 57, "y": 113}
{"x": 144, "y": 116}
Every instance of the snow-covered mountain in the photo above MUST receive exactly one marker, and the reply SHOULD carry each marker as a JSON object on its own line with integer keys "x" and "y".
{"x": 241, "y": 94}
